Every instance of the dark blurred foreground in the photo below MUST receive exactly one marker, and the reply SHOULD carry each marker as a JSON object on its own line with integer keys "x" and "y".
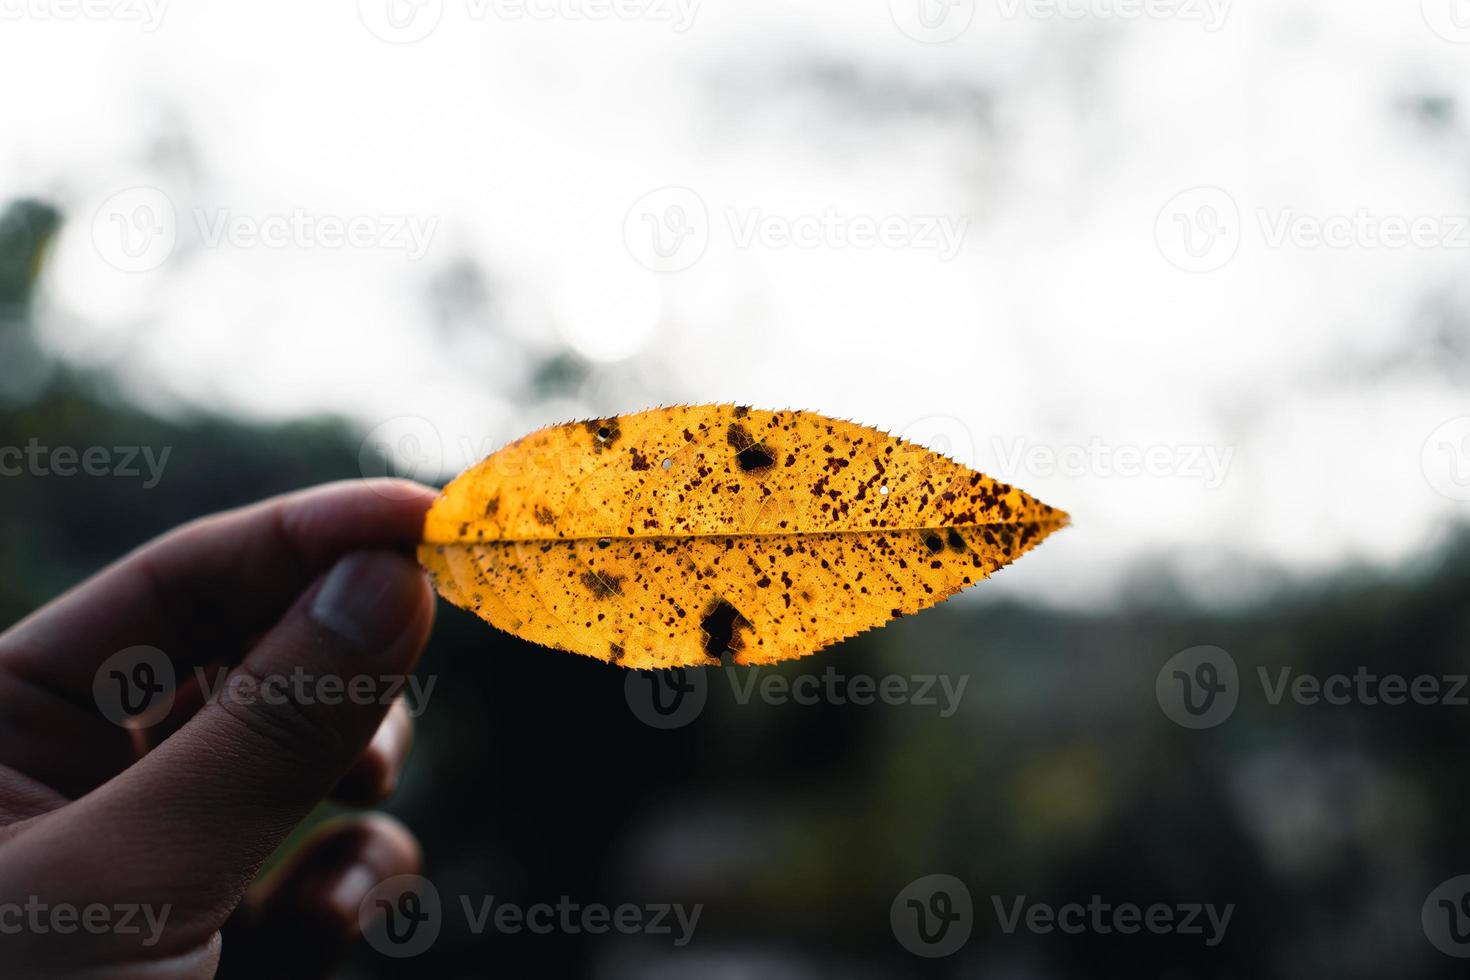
{"x": 794, "y": 818}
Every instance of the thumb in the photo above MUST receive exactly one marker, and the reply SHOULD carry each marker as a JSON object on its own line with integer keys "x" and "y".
{"x": 190, "y": 823}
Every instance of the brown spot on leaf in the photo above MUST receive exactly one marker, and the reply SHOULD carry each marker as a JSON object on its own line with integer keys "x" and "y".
{"x": 603, "y": 585}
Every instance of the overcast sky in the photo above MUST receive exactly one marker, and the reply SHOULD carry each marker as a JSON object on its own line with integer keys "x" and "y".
{"x": 1190, "y": 269}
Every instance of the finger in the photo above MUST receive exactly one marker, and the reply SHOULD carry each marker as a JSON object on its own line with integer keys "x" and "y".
{"x": 190, "y": 823}
{"x": 375, "y": 774}
{"x": 302, "y": 923}
{"x": 201, "y": 592}
{"x": 31, "y": 720}
{"x": 22, "y": 798}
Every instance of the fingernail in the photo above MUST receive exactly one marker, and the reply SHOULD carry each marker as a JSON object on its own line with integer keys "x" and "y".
{"x": 368, "y": 598}
{"x": 351, "y": 890}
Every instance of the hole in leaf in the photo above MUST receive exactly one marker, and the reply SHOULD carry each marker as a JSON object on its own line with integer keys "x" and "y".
{"x": 754, "y": 458}
{"x": 722, "y": 624}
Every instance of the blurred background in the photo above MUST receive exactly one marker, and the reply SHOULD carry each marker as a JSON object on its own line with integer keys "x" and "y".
{"x": 1192, "y": 270}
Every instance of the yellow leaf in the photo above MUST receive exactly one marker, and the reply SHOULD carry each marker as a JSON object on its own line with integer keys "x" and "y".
{"x": 669, "y": 537}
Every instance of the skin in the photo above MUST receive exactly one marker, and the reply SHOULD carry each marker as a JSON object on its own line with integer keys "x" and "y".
{"x": 185, "y": 814}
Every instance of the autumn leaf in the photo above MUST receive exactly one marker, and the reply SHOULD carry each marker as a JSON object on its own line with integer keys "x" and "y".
{"x": 674, "y": 536}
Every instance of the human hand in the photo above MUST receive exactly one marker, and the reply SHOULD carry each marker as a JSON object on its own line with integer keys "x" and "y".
{"x": 174, "y": 822}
